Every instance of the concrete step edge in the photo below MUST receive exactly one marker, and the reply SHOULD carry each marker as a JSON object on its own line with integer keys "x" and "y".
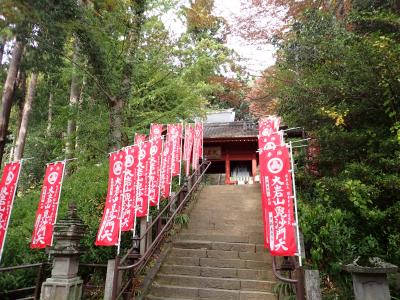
{"x": 211, "y": 289}
{"x": 211, "y": 278}
{"x": 208, "y": 268}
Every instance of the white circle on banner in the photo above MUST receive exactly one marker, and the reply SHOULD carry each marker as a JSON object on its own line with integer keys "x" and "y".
{"x": 156, "y": 130}
{"x": 153, "y": 150}
{"x": 10, "y": 177}
{"x": 117, "y": 168}
{"x": 52, "y": 178}
{"x": 275, "y": 165}
{"x": 128, "y": 160}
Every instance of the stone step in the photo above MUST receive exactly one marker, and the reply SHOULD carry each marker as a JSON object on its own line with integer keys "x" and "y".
{"x": 226, "y": 229}
{"x": 215, "y": 282}
{"x": 222, "y": 254}
{"x": 218, "y": 272}
{"x": 215, "y": 245}
{"x": 234, "y": 236}
{"x": 218, "y": 262}
{"x": 151, "y": 297}
{"x": 180, "y": 292}
{"x": 216, "y": 238}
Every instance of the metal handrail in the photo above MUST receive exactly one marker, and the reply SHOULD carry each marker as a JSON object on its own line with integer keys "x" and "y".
{"x": 38, "y": 280}
{"x": 137, "y": 266}
{"x": 170, "y": 203}
{"x": 13, "y": 268}
{"x": 299, "y": 282}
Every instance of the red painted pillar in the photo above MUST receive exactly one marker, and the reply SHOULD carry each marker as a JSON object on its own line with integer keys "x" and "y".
{"x": 254, "y": 166}
{"x": 227, "y": 169}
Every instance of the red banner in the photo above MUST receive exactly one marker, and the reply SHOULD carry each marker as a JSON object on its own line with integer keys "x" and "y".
{"x": 110, "y": 224}
{"x": 155, "y": 131}
{"x": 267, "y": 127}
{"x": 142, "y": 179}
{"x": 174, "y": 136}
{"x": 201, "y": 129}
{"x": 154, "y": 171}
{"x": 8, "y": 186}
{"x": 196, "y": 145}
{"x": 187, "y": 148}
{"x": 139, "y": 138}
{"x": 279, "y": 202}
{"x": 129, "y": 190}
{"x": 46, "y": 214}
{"x": 165, "y": 176}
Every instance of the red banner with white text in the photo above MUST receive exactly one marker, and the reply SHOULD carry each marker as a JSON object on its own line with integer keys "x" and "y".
{"x": 139, "y": 138}
{"x": 129, "y": 190}
{"x": 155, "y": 131}
{"x": 8, "y": 186}
{"x": 165, "y": 176}
{"x": 110, "y": 224}
{"x": 142, "y": 179}
{"x": 174, "y": 136}
{"x": 187, "y": 147}
{"x": 267, "y": 127}
{"x": 46, "y": 214}
{"x": 196, "y": 145}
{"x": 200, "y": 127}
{"x": 278, "y": 201}
{"x": 154, "y": 171}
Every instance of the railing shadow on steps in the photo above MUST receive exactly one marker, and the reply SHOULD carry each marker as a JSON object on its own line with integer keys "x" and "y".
{"x": 159, "y": 227}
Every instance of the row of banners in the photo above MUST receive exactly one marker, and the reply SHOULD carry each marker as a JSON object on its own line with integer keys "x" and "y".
{"x": 139, "y": 175}
{"x": 277, "y": 189}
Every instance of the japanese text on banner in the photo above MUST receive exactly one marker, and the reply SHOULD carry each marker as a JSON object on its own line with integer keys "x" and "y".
{"x": 129, "y": 190}
{"x": 8, "y": 185}
{"x": 142, "y": 179}
{"x": 110, "y": 223}
{"x": 48, "y": 205}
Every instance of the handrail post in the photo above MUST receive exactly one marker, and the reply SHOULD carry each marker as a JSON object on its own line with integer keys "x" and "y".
{"x": 115, "y": 284}
{"x": 300, "y": 292}
{"x": 188, "y": 182}
{"x": 39, "y": 281}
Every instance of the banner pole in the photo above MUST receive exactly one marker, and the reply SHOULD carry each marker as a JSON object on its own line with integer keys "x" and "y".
{"x": 11, "y": 207}
{"x": 58, "y": 200}
{"x": 295, "y": 204}
{"x": 159, "y": 180}
{"x": 180, "y": 155}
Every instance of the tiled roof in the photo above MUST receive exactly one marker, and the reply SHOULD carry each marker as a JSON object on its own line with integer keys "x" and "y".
{"x": 230, "y": 130}
{"x": 241, "y": 129}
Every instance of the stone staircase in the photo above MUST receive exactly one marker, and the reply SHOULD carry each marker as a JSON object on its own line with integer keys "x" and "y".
{"x": 220, "y": 255}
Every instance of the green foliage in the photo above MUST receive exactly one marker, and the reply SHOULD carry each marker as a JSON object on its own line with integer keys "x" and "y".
{"x": 117, "y": 50}
{"x": 342, "y": 86}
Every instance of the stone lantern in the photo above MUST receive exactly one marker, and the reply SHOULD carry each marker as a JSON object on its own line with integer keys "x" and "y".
{"x": 64, "y": 283}
{"x": 370, "y": 279}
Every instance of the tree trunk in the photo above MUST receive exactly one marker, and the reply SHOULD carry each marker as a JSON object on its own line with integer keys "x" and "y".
{"x": 8, "y": 93}
{"x": 49, "y": 114}
{"x": 19, "y": 96}
{"x": 2, "y": 45}
{"x": 73, "y": 101}
{"x": 116, "y": 123}
{"x": 30, "y": 96}
{"x": 117, "y": 104}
